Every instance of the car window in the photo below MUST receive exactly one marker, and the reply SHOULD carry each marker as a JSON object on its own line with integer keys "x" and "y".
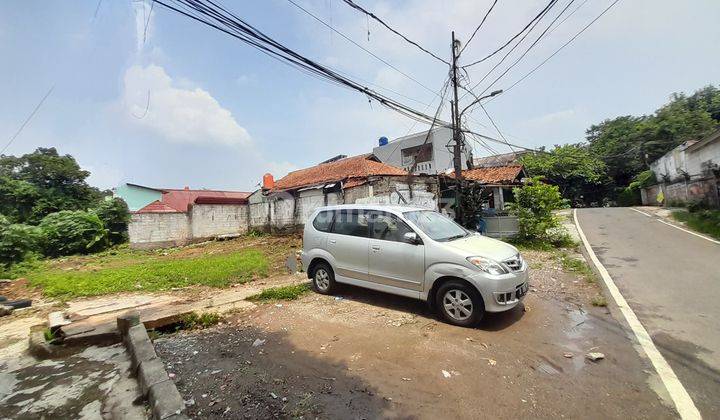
{"x": 387, "y": 227}
{"x": 323, "y": 220}
{"x": 435, "y": 225}
{"x": 351, "y": 222}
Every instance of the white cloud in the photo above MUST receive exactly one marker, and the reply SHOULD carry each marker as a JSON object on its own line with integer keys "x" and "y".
{"x": 179, "y": 115}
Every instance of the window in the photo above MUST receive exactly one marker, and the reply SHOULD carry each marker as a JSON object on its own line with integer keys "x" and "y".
{"x": 388, "y": 227}
{"x": 323, "y": 221}
{"x": 351, "y": 222}
{"x": 417, "y": 154}
{"x": 435, "y": 225}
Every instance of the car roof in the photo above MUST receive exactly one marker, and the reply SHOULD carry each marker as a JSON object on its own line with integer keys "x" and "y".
{"x": 379, "y": 207}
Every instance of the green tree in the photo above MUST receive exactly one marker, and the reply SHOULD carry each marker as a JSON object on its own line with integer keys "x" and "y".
{"x": 534, "y": 206}
{"x": 59, "y": 184}
{"x": 73, "y": 232}
{"x": 115, "y": 217}
{"x": 571, "y": 167}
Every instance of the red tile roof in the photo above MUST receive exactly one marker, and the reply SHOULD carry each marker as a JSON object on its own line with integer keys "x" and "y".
{"x": 353, "y": 169}
{"x": 157, "y": 207}
{"x": 181, "y": 199}
{"x": 495, "y": 175}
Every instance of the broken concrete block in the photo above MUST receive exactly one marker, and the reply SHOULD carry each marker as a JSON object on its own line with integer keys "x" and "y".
{"x": 126, "y": 321}
{"x": 151, "y": 372}
{"x": 165, "y": 400}
{"x": 139, "y": 346}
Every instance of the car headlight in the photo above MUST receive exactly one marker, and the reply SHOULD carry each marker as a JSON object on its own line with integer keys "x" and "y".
{"x": 487, "y": 265}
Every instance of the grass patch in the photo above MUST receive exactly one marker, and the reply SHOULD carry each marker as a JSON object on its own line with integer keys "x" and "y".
{"x": 290, "y": 292}
{"x": 128, "y": 272}
{"x": 704, "y": 221}
{"x": 205, "y": 320}
{"x": 599, "y": 300}
{"x": 576, "y": 265}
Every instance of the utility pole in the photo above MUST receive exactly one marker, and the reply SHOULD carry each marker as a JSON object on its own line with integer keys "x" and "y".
{"x": 457, "y": 135}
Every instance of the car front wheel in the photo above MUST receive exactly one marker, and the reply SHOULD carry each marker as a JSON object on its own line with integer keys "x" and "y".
{"x": 323, "y": 279}
{"x": 459, "y": 304}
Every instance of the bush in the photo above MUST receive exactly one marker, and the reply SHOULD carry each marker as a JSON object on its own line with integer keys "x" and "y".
{"x": 70, "y": 232}
{"x": 17, "y": 241}
{"x": 534, "y": 205}
{"x": 115, "y": 216}
{"x": 629, "y": 197}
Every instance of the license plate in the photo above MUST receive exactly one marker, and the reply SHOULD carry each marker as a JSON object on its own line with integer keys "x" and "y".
{"x": 522, "y": 290}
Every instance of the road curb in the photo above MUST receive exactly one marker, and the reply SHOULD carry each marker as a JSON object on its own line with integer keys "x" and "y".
{"x": 155, "y": 384}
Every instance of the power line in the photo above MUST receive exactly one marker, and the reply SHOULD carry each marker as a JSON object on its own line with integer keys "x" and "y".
{"x": 213, "y": 15}
{"x": 479, "y": 26}
{"x": 496, "y": 127}
{"x": 27, "y": 120}
{"x": 360, "y": 46}
{"x": 561, "y": 47}
{"x": 527, "y": 50}
{"x": 538, "y": 16}
{"x": 372, "y": 15}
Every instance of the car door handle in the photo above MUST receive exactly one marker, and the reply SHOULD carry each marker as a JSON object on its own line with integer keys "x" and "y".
{"x": 375, "y": 247}
{"x": 332, "y": 241}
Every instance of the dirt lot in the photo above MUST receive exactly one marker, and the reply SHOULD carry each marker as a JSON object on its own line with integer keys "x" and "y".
{"x": 369, "y": 355}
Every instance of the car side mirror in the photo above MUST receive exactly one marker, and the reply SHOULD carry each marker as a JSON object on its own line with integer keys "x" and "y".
{"x": 412, "y": 238}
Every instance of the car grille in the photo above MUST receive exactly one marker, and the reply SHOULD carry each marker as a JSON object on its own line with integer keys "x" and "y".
{"x": 515, "y": 263}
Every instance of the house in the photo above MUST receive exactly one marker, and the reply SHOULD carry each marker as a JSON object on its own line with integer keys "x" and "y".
{"x": 184, "y": 216}
{"x": 137, "y": 196}
{"x": 289, "y": 201}
{"x": 688, "y": 173}
{"x": 497, "y": 183}
{"x": 431, "y": 157}
{"x": 181, "y": 216}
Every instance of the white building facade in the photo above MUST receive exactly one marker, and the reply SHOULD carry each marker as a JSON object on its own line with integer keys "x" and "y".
{"x": 432, "y": 157}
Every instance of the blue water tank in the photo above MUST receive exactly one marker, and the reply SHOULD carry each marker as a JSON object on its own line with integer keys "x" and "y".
{"x": 383, "y": 141}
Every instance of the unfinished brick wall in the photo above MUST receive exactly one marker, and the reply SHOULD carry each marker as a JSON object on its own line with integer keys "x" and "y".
{"x": 155, "y": 230}
{"x": 212, "y": 220}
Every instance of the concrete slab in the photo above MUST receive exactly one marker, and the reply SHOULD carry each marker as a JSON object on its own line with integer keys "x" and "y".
{"x": 92, "y": 321}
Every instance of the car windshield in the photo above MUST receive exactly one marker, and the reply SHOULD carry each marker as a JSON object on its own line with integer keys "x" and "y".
{"x": 435, "y": 225}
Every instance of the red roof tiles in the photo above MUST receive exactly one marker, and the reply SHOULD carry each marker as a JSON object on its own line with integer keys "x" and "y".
{"x": 494, "y": 175}
{"x": 158, "y": 207}
{"x": 352, "y": 168}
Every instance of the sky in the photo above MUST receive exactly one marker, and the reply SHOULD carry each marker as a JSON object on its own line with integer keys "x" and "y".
{"x": 146, "y": 96}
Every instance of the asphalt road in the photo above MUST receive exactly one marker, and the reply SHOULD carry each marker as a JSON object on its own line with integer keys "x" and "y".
{"x": 671, "y": 279}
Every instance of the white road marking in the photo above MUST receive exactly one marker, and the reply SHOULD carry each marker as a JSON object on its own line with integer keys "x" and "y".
{"x": 641, "y": 212}
{"x": 677, "y": 227}
{"x": 683, "y": 403}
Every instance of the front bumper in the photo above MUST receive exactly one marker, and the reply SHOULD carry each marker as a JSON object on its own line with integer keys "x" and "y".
{"x": 503, "y": 292}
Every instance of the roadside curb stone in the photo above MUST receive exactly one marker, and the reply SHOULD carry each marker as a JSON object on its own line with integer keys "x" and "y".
{"x": 151, "y": 372}
{"x": 155, "y": 384}
{"x": 165, "y": 400}
{"x": 139, "y": 345}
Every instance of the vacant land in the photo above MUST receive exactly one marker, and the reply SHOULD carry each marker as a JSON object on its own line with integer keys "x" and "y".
{"x": 214, "y": 264}
{"x": 363, "y": 354}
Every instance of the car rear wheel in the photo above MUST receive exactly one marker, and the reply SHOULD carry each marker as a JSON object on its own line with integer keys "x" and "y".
{"x": 459, "y": 304}
{"x": 323, "y": 279}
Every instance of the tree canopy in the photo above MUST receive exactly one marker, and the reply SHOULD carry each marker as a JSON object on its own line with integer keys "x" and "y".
{"x": 43, "y": 182}
{"x": 572, "y": 167}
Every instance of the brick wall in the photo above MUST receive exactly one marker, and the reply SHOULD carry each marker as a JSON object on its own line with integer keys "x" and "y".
{"x": 212, "y": 220}
{"x": 154, "y": 230}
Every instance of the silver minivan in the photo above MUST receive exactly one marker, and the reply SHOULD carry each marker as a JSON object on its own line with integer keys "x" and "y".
{"x": 413, "y": 252}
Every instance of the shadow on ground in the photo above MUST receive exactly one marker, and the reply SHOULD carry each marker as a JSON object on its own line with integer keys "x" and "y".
{"x": 490, "y": 322}
{"x": 236, "y": 372}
